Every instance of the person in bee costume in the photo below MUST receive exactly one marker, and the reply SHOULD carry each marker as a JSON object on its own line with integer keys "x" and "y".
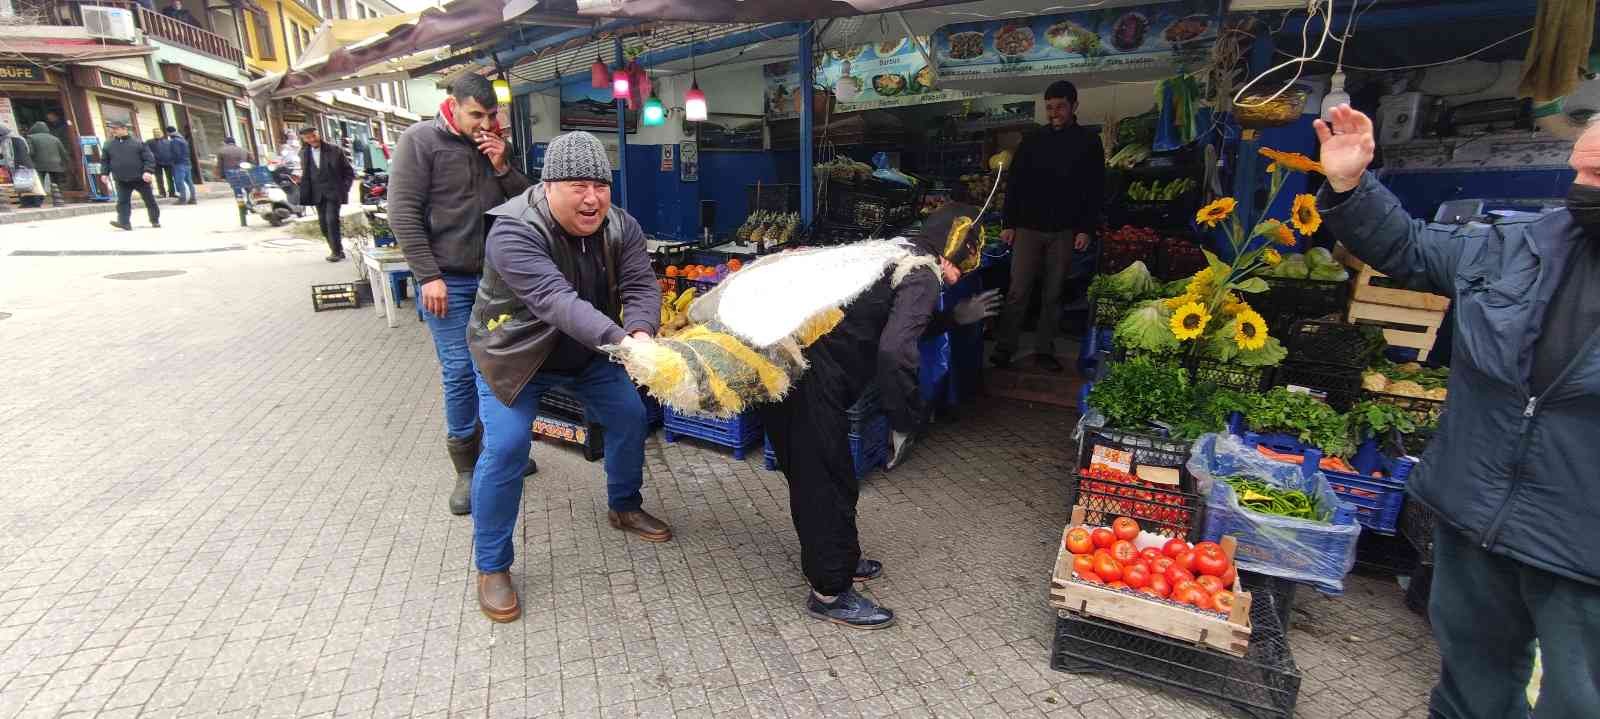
{"x": 799, "y": 336}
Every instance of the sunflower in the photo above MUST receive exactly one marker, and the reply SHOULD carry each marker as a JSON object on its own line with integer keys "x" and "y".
{"x": 1271, "y": 257}
{"x": 1233, "y": 306}
{"x": 1292, "y": 161}
{"x": 1250, "y": 331}
{"x": 1305, "y": 216}
{"x": 1189, "y": 321}
{"x": 1173, "y": 303}
{"x": 1277, "y": 232}
{"x": 1200, "y": 284}
{"x": 1215, "y": 212}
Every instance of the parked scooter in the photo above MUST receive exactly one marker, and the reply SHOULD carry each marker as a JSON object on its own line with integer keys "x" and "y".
{"x": 375, "y": 187}
{"x": 274, "y": 194}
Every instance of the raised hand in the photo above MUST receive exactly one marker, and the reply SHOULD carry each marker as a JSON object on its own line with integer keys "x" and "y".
{"x": 1347, "y": 146}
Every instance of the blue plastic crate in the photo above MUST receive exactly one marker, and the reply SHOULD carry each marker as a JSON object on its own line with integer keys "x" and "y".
{"x": 1377, "y": 501}
{"x": 869, "y": 446}
{"x": 736, "y": 433}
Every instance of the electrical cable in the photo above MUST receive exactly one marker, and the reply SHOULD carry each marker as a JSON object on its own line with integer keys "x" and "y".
{"x": 1467, "y": 56}
{"x": 1315, "y": 8}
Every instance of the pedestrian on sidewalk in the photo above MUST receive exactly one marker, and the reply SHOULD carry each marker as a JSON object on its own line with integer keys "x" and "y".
{"x": 1053, "y": 196}
{"x": 50, "y": 160}
{"x": 324, "y": 185}
{"x": 159, "y": 148}
{"x": 13, "y": 156}
{"x": 182, "y": 167}
{"x": 565, "y": 273}
{"x": 132, "y": 167}
{"x": 228, "y": 160}
{"x": 449, "y": 174}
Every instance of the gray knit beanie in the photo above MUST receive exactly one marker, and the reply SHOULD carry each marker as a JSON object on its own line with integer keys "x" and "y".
{"x": 576, "y": 156}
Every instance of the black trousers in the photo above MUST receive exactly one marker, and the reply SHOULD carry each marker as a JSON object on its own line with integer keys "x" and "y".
{"x": 125, "y": 190}
{"x": 810, "y": 435}
{"x": 164, "y": 181}
{"x": 328, "y": 219}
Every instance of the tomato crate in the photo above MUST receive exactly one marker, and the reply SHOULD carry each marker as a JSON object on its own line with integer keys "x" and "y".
{"x": 1340, "y": 387}
{"x": 1148, "y": 448}
{"x": 342, "y": 295}
{"x": 1337, "y": 344}
{"x": 1112, "y": 482}
{"x": 1264, "y": 683}
{"x": 736, "y": 433}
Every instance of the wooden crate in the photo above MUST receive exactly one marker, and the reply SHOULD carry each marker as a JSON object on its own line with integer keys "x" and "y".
{"x": 1230, "y": 634}
{"x": 1371, "y": 288}
{"x": 1402, "y": 326}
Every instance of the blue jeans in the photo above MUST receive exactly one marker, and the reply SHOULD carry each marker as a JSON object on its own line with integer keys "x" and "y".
{"x": 455, "y": 363}
{"x": 183, "y": 176}
{"x": 608, "y": 397}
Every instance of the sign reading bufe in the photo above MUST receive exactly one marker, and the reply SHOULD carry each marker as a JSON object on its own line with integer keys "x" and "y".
{"x": 20, "y": 72}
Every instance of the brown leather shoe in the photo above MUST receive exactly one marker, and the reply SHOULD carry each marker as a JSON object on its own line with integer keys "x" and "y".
{"x": 641, "y": 523}
{"x": 497, "y": 598}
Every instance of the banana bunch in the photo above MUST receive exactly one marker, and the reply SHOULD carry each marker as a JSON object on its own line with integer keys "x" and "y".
{"x": 1157, "y": 191}
{"x": 675, "y": 311}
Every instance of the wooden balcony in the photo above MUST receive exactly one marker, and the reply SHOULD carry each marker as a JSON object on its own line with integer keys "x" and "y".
{"x": 162, "y": 28}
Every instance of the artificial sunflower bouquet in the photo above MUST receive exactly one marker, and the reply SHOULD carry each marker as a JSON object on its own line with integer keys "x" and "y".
{"x": 1211, "y": 318}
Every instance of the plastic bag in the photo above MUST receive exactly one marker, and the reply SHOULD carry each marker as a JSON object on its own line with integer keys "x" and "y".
{"x": 1315, "y": 553}
{"x": 24, "y": 181}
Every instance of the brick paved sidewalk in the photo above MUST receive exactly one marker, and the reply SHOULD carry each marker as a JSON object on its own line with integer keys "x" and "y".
{"x": 218, "y": 502}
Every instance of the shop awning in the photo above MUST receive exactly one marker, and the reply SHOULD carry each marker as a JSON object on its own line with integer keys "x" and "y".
{"x": 738, "y": 10}
{"x": 69, "y": 50}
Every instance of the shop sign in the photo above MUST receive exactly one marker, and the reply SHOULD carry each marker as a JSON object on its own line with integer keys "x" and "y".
{"x": 1105, "y": 40}
{"x": 21, "y": 72}
{"x": 105, "y": 79}
{"x": 892, "y": 73}
{"x": 184, "y": 76}
{"x": 7, "y": 115}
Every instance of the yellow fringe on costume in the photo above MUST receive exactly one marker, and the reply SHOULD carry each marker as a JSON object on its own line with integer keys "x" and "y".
{"x": 773, "y": 381}
{"x": 820, "y": 324}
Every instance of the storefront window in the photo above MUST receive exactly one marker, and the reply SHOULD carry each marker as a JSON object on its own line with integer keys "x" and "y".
{"x": 207, "y": 126}
{"x": 117, "y": 112}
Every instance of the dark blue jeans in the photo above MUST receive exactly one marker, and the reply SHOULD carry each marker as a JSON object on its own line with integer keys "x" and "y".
{"x": 183, "y": 182}
{"x": 455, "y": 363}
{"x": 610, "y": 399}
{"x": 1486, "y": 611}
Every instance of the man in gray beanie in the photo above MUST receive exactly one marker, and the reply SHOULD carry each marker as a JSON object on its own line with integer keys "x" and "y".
{"x": 564, "y": 274}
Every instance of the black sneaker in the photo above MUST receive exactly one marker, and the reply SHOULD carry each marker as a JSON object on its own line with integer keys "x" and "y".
{"x": 868, "y": 570}
{"x": 850, "y": 609}
{"x": 156, "y": 225}
{"x": 335, "y": 258}
{"x": 1049, "y": 363}
{"x": 531, "y": 468}
{"x": 121, "y": 225}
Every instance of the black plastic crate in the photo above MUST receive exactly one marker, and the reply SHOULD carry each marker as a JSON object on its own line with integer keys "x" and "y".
{"x": 1340, "y": 387}
{"x": 1148, "y": 448}
{"x": 870, "y": 206}
{"x": 1282, "y": 592}
{"x": 1420, "y": 589}
{"x": 343, "y": 295}
{"x": 1106, "y": 312}
{"x": 1417, "y": 524}
{"x": 1333, "y": 343}
{"x": 558, "y": 427}
{"x": 1425, "y": 412}
{"x": 1288, "y": 300}
{"x": 1379, "y": 555}
{"x": 1263, "y": 683}
{"x": 1228, "y": 375}
{"x": 561, "y": 403}
{"x": 1164, "y": 511}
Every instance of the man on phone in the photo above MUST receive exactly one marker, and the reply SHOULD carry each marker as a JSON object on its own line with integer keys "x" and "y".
{"x": 446, "y": 176}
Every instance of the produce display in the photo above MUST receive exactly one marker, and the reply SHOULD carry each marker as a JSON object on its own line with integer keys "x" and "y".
{"x": 1133, "y": 283}
{"x": 1157, "y": 191}
{"x": 979, "y": 185}
{"x": 1316, "y": 263}
{"x": 1260, "y": 497}
{"x": 1129, "y": 156}
{"x": 768, "y": 228}
{"x": 1153, "y": 501}
{"x": 675, "y": 311}
{"x": 1407, "y": 380}
{"x": 843, "y": 169}
{"x": 1200, "y": 577}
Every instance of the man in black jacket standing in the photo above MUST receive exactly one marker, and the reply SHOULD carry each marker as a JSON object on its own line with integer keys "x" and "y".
{"x": 132, "y": 167}
{"x": 1053, "y": 197}
{"x": 160, "y": 148}
{"x": 447, "y": 175}
{"x": 325, "y": 183}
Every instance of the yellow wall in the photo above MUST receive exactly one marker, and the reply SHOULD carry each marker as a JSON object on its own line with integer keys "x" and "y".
{"x": 278, "y": 11}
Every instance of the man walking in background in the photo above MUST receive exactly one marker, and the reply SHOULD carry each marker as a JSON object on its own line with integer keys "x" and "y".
{"x": 131, "y": 167}
{"x": 49, "y": 160}
{"x": 447, "y": 175}
{"x": 325, "y": 183}
{"x": 182, "y": 169}
{"x": 228, "y": 160}
{"x": 158, "y": 145}
{"x": 1053, "y": 198}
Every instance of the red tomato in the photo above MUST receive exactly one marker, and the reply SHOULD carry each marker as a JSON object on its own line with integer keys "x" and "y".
{"x": 1183, "y": 584}
{"x": 1175, "y": 546}
{"x": 1150, "y": 591}
{"x": 1136, "y": 576}
{"x": 1161, "y": 564}
{"x": 1078, "y": 541}
{"x": 1211, "y": 584}
{"x": 1124, "y": 551}
{"x": 1202, "y": 599}
{"x": 1117, "y": 585}
{"x": 1223, "y": 601}
{"x": 1176, "y": 574}
{"x": 1082, "y": 563}
{"x": 1091, "y": 577}
{"x": 1187, "y": 595}
{"x": 1230, "y": 577}
{"x": 1160, "y": 584}
{"x": 1107, "y": 568}
{"x": 1186, "y": 560}
{"x": 1103, "y": 552}
{"x": 1212, "y": 564}
{"x": 1150, "y": 553}
{"x": 1204, "y": 547}
{"x": 1103, "y": 537}
{"x": 1125, "y": 528}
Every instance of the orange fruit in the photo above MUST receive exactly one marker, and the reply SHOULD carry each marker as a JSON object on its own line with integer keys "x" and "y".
{"x": 672, "y": 270}
{"x": 734, "y": 265}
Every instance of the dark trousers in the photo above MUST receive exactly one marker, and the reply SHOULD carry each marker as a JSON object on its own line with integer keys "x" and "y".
{"x": 1035, "y": 256}
{"x": 164, "y": 183}
{"x": 811, "y": 438}
{"x": 1487, "y": 610}
{"x": 328, "y": 219}
{"x": 53, "y": 181}
{"x": 125, "y": 190}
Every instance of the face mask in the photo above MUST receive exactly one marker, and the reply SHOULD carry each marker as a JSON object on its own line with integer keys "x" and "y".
{"x": 1583, "y": 201}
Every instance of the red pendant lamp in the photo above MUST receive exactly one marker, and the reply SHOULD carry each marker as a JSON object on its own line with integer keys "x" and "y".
{"x": 599, "y": 74}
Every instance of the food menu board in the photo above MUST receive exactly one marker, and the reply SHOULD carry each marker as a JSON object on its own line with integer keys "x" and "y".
{"x": 892, "y": 73}
{"x": 1115, "y": 39}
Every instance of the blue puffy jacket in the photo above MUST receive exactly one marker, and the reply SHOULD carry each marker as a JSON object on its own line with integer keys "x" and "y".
{"x": 1518, "y": 473}
{"x": 177, "y": 151}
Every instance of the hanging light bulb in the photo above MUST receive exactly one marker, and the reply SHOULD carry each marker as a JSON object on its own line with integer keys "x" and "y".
{"x": 654, "y": 112}
{"x": 1336, "y": 96}
{"x": 599, "y": 74}
{"x": 620, "y": 86}
{"x": 502, "y": 91}
{"x": 694, "y": 103}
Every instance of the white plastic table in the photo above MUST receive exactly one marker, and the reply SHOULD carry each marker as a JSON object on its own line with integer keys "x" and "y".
{"x": 381, "y": 262}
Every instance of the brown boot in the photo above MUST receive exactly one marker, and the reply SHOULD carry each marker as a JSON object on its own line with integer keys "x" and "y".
{"x": 497, "y": 598}
{"x": 641, "y": 523}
